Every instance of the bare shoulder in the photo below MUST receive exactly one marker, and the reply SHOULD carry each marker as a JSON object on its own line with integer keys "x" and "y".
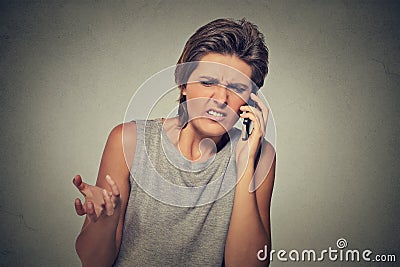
{"x": 124, "y": 131}
{"x": 118, "y": 154}
{"x": 123, "y": 138}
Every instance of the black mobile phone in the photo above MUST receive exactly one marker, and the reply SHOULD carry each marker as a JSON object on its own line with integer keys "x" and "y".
{"x": 247, "y": 122}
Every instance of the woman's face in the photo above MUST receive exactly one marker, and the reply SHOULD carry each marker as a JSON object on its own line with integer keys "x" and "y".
{"x": 215, "y": 91}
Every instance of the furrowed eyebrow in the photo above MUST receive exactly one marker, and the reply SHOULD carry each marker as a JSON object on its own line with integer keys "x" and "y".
{"x": 238, "y": 85}
{"x": 242, "y": 85}
{"x": 209, "y": 78}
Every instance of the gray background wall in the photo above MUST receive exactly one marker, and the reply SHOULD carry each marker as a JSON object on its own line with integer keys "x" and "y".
{"x": 69, "y": 69}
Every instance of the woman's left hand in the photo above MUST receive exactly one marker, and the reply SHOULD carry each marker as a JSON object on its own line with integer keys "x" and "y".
{"x": 246, "y": 151}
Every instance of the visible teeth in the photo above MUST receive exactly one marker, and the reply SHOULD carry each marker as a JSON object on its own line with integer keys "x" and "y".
{"x": 214, "y": 113}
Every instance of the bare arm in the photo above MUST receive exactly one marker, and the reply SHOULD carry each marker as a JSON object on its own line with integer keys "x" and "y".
{"x": 249, "y": 229}
{"x": 100, "y": 238}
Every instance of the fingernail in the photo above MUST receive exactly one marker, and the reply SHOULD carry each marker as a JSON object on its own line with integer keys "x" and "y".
{"x": 108, "y": 176}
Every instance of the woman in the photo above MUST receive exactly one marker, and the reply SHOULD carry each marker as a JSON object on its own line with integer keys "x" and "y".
{"x": 126, "y": 225}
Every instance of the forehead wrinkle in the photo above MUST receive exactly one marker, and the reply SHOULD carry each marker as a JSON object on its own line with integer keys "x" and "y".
{"x": 223, "y": 73}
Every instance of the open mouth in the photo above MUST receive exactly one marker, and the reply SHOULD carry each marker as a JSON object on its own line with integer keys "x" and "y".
{"x": 215, "y": 115}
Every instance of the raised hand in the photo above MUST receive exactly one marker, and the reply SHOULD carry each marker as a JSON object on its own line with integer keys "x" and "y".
{"x": 98, "y": 201}
{"x": 259, "y": 116}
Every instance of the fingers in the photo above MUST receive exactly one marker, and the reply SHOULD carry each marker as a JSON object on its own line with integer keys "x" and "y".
{"x": 262, "y": 106}
{"x": 256, "y": 116}
{"x": 252, "y": 110}
{"x": 115, "y": 197}
{"x": 90, "y": 212}
{"x": 77, "y": 180}
{"x": 79, "y": 208}
{"x": 108, "y": 205}
{"x": 113, "y": 186}
{"x": 258, "y": 101}
{"x": 79, "y": 183}
{"x": 261, "y": 111}
{"x": 99, "y": 201}
{"x": 253, "y": 117}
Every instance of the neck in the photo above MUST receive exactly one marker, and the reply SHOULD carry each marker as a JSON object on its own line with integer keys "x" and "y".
{"x": 191, "y": 144}
{"x": 195, "y": 146}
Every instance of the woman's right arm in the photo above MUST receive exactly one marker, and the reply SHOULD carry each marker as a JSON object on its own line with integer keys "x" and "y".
{"x": 99, "y": 240}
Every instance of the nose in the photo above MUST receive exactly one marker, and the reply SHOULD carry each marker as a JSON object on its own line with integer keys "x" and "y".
{"x": 221, "y": 95}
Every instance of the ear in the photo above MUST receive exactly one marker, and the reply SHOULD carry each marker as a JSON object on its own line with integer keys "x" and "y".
{"x": 183, "y": 89}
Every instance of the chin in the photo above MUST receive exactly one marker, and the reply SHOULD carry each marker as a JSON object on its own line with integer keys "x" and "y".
{"x": 208, "y": 127}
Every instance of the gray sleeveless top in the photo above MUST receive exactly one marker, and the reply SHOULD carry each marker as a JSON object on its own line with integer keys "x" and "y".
{"x": 178, "y": 211}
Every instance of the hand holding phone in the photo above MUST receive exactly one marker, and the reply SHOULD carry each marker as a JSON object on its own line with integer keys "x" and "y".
{"x": 247, "y": 122}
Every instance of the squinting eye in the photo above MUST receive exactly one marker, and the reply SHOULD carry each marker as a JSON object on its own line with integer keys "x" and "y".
{"x": 207, "y": 83}
{"x": 237, "y": 89}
